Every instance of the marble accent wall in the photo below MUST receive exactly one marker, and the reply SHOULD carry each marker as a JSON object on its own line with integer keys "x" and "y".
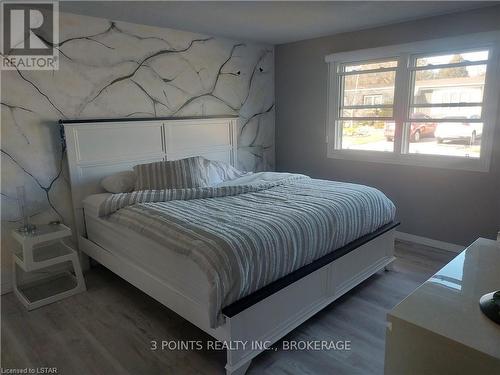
{"x": 113, "y": 69}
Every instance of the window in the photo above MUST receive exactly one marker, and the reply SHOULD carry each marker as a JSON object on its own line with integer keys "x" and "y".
{"x": 428, "y": 103}
{"x": 372, "y": 99}
{"x": 366, "y": 107}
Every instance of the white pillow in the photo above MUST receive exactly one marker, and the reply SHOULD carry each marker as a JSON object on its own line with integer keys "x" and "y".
{"x": 121, "y": 182}
{"x": 219, "y": 171}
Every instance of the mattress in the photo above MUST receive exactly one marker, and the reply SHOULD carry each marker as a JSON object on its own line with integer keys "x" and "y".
{"x": 178, "y": 271}
{"x": 241, "y": 235}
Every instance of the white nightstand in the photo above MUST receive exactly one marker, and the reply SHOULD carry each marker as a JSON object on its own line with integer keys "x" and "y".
{"x": 44, "y": 253}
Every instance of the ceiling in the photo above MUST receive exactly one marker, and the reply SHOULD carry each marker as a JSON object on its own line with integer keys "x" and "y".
{"x": 273, "y": 22}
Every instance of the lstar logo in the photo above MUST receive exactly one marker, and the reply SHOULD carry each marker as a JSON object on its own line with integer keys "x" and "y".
{"x": 30, "y": 35}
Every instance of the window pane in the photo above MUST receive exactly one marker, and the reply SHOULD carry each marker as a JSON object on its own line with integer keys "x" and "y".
{"x": 370, "y": 65}
{"x": 367, "y": 112}
{"x": 449, "y": 138}
{"x": 368, "y": 135}
{"x": 453, "y": 58}
{"x": 460, "y": 113}
{"x": 373, "y": 99}
{"x": 464, "y": 84}
{"x": 357, "y": 86}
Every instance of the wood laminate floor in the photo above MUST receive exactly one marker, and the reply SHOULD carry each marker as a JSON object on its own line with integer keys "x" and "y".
{"x": 108, "y": 329}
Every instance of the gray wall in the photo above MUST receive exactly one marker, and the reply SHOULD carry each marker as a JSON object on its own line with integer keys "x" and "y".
{"x": 447, "y": 205}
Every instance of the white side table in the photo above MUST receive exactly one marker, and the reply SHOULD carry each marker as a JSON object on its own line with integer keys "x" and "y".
{"x": 44, "y": 253}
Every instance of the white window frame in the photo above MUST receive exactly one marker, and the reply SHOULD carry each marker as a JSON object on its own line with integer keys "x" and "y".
{"x": 373, "y": 97}
{"x": 404, "y": 53}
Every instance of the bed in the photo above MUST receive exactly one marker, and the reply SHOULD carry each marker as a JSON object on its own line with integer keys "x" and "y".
{"x": 240, "y": 297}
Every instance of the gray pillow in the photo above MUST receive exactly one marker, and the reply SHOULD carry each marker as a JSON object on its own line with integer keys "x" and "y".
{"x": 172, "y": 174}
{"x": 121, "y": 182}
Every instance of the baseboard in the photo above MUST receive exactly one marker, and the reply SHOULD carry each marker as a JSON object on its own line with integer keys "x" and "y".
{"x": 5, "y": 288}
{"x": 447, "y": 246}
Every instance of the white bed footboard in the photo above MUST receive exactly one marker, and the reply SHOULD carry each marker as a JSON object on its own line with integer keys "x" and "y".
{"x": 268, "y": 320}
{"x": 274, "y": 317}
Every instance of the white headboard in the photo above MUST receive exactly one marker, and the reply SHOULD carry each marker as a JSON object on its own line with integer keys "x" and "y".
{"x": 99, "y": 148}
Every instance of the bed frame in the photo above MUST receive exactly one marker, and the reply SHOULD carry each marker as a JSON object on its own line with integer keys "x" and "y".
{"x": 97, "y": 148}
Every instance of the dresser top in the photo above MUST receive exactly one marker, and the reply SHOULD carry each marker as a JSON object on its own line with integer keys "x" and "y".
{"x": 448, "y": 303}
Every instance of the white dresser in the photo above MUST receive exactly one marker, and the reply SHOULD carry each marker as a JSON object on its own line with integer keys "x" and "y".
{"x": 439, "y": 328}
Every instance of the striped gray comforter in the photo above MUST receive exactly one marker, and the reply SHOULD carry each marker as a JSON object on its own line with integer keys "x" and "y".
{"x": 245, "y": 236}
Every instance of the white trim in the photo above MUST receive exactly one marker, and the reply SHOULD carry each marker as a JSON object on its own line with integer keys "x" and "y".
{"x": 405, "y": 53}
{"x": 5, "y": 287}
{"x": 446, "y": 105}
{"x": 367, "y": 71}
{"x": 370, "y": 106}
{"x": 422, "y": 160}
{"x": 476, "y": 42}
{"x": 450, "y": 65}
{"x": 447, "y": 246}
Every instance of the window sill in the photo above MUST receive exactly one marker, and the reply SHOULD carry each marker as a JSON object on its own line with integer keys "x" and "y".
{"x": 420, "y": 160}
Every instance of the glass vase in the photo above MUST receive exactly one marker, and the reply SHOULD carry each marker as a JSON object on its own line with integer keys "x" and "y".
{"x": 27, "y": 227}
